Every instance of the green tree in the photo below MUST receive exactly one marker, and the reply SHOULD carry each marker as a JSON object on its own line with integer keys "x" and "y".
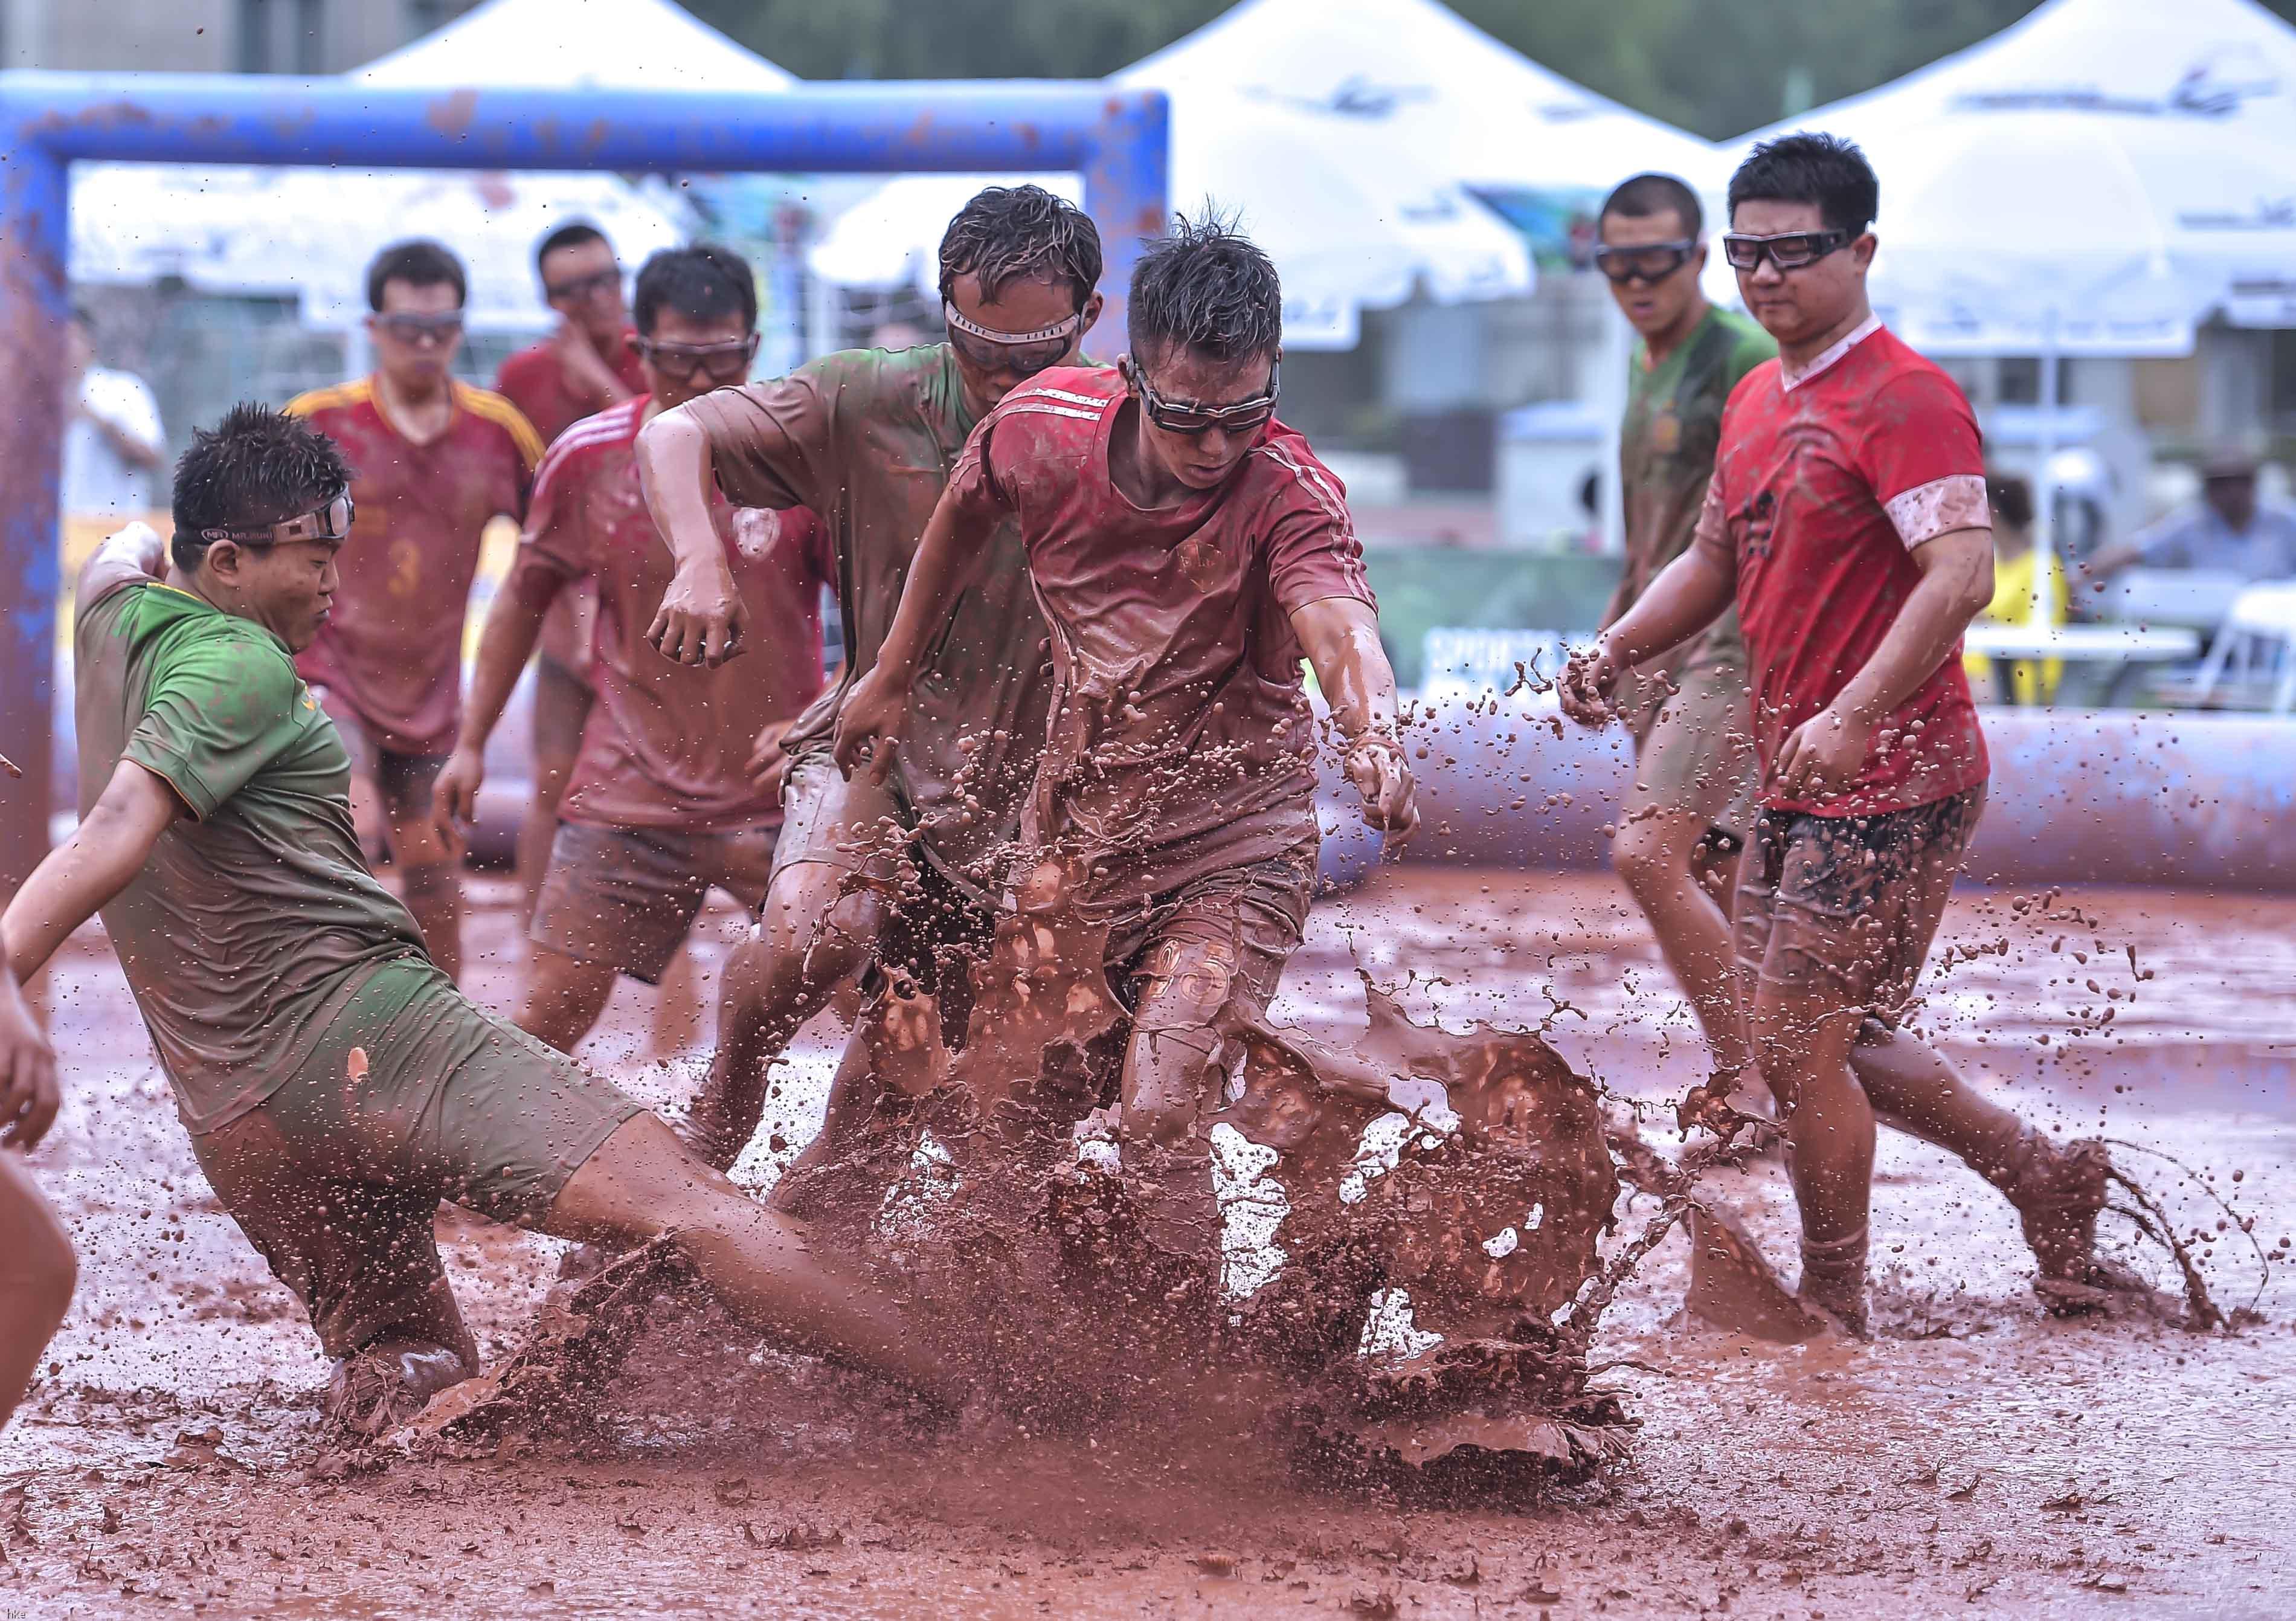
{"x": 1718, "y": 67}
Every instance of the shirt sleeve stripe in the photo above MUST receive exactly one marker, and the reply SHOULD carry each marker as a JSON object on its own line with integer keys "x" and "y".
{"x": 1044, "y": 407}
{"x": 499, "y": 411}
{"x": 1941, "y": 505}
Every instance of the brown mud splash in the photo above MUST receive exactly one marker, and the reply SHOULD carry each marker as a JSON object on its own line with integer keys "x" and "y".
{"x": 976, "y": 1194}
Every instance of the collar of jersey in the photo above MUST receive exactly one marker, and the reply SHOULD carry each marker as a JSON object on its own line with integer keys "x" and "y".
{"x": 1858, "y": 334}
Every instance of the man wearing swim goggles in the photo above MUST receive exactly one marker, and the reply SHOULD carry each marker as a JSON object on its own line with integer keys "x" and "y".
{"x": 866, "y": 439}
{"x": 436, "y": 460}
{"x": 1691, "y": 801}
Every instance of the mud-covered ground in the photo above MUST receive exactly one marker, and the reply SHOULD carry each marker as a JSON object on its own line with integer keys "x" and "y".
{"x": 1978, "y": 1458}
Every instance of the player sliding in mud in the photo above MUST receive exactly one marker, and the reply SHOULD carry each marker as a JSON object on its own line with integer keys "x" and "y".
{"x": 1186, "y": 549}
{"x": 1847, "y": 519}
{"x": 866, "y": 439}
{"x": 335, "y": 1084}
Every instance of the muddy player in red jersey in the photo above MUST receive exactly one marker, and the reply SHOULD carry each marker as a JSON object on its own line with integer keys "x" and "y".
{"x": 436, "y": 460}
{"x": 37, "y": 1270}
{"x": 335, "y": 1084}
{"x": 866, "y": 439}
{"x": 666, "y": 798}
{"x": 1186, "y": 549}
{"x": 589, "y": 364}
{"x": 1846, "y": 518}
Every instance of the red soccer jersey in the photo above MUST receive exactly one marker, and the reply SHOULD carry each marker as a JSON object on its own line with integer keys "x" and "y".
{"x": 1826, "y": 483}
{"x": 666, "y": 745}
{"x": 534, "y": 380}
{"x": 392, "y": 654}
{"x": 1180, "y": 742}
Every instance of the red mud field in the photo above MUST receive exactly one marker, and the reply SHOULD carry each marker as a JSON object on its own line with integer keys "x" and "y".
{"x": 1978, "y": 1457}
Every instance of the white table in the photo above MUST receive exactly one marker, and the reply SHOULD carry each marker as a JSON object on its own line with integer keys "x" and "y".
{"x": 2122, "y": 643}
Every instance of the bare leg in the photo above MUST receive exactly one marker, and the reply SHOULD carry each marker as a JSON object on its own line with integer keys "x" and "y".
{"x": 432, "y": 883}
{"x": 852, "y": 1100}
{"x": 808, "y": 940}
{"x": 562, "y": 703}
{"x": 1169, "y": 1076}
{"x": 1802, "y": 1041}
{"x": 1913, "y": 1090}
{"x": 539, "y": 829}
{"x": 678, "y": 1004}
{"x": 1659, "y": 858}
{"x": 37, "y": 1271}
{"x": 564, "y": 997}
{"x": 642, "y": 1183}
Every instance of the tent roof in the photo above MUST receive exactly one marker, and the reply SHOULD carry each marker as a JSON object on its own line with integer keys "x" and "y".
{"x": 627, "y": 44}
{"x": 1433, "y": 84}
{"x": 2185, "y": 113}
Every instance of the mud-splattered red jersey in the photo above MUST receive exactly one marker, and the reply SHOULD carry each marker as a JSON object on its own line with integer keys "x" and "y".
{"x": 1180, "y": 742}
{"x": 535, "y": 380}
{"x": 1828, "y": 481}
{"x": 391, "y": 653}
{"x": 666, "y": 745}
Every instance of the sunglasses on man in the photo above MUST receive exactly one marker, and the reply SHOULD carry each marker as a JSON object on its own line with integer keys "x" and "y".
{"x": 422, "y": 331}
{"x": 726, "y": 362}
{"x": 1650, "y": 261}
{"x": 1025, "y": 353}
{"x": 1788, "y": 251}
{"x": 331, "y": 521}
{"x": 1193, "y": 420}
{"x": 584, "y": 288}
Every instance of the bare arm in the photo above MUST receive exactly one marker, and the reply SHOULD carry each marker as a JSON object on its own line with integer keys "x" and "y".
{"x": 138, "y": 452}
{"x": 701, "y": 620}
{"x": 81, "y": 876}
{"x": 870, "y": 719}
{"x": 1341, "y": 637}
{"x": 513, "y": 627}
{"x": 1695, "y": 589}
{"x": 1824, "y": 754}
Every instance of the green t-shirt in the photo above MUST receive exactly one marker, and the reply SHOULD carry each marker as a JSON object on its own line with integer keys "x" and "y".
{"x": 256, "y": 918}
{"x": 1667, "y": 443}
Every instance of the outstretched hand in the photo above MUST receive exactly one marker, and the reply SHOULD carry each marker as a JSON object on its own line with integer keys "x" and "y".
{"x": 1588, "y": 680}
{"x": 28, "y": 1094}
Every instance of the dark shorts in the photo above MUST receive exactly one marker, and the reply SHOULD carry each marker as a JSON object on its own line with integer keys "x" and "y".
{"x": 1848, "y": 905}
{"x": 626, "y": 897}
{"x": 561, "y": 704}
{"x": 1210, "y": 956}
{"x": 337, "y": 1177}
{"x": 1692, "y": 753}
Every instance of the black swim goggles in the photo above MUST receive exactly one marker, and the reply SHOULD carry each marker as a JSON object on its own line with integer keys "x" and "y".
{"x": 1650, "y": 261}
{"x": 1025, "y": 353}
{"x": 1788, "y": 251}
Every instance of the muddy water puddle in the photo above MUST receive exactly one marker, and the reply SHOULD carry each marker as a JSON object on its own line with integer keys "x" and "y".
{"x": 1978, "y": 1458}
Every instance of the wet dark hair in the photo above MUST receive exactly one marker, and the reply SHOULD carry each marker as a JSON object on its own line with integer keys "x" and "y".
{"x": 2011, "y": 496}
{"x": 1645, "y": 196}
{"x": 703, "y": 282}
{"x": 576, "y": 236}
{"x": 255, "y": 466}
{"x": 1208, "y": 288}
{"x": 419, "y": 263}
{"x": 1809, "y": 165}
{"x": 1016, "y": 233}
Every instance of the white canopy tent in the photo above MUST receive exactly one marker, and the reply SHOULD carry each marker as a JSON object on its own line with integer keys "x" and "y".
{"x": 2093, "y": 180}
{"x": 601, "y": 45}
{"x": 1351, "y": 138}
{"x": 2057, "y": 158}
{"x": 309, "y": 232}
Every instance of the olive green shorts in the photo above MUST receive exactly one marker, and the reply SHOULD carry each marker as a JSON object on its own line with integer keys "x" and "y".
{"x": 1694, "y": 753}
{"x": 336, "y": 1177}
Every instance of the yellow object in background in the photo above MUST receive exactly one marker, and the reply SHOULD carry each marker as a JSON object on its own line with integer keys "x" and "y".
{"x": 2030, "y": 680}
